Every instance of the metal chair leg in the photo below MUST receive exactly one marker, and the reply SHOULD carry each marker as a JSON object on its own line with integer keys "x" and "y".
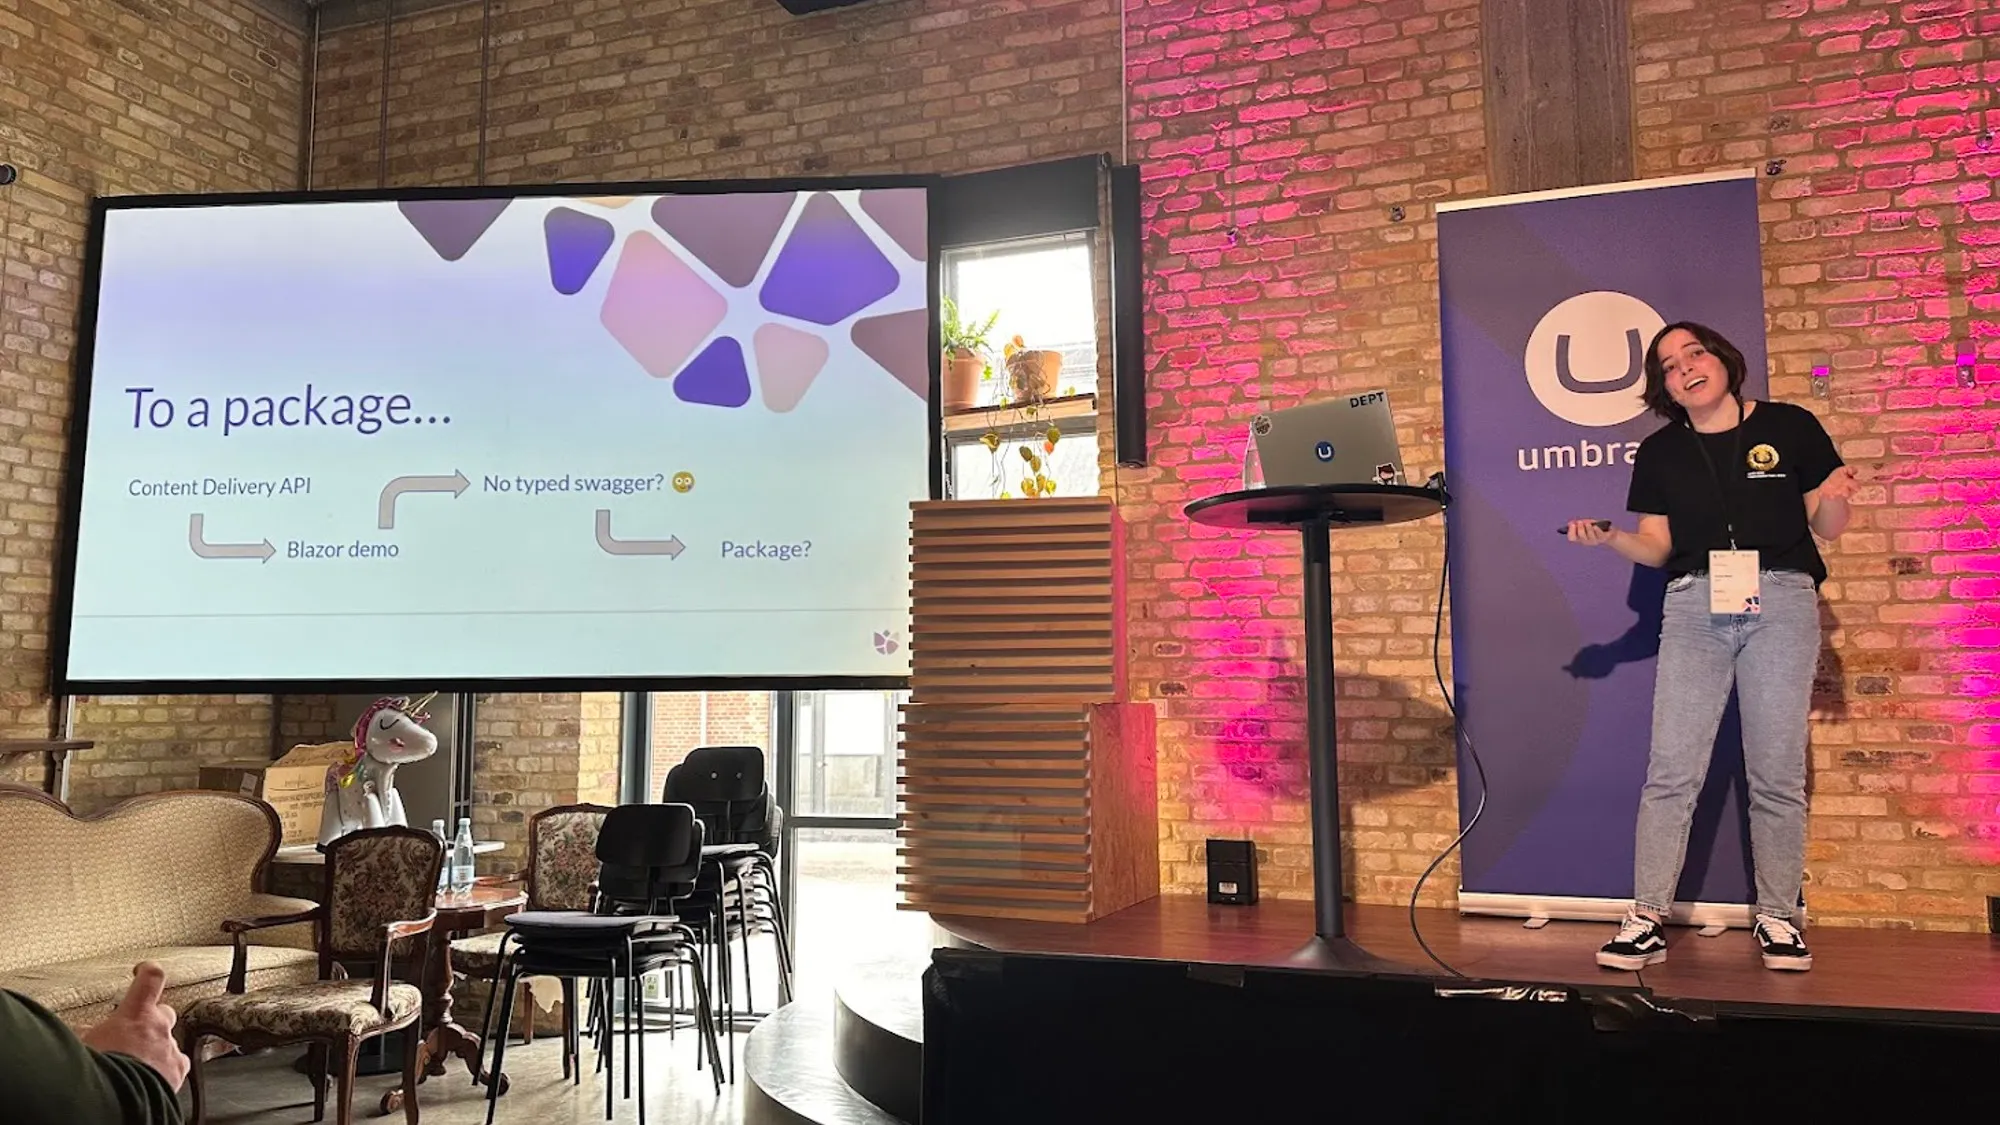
{"x": 510, "y": 978}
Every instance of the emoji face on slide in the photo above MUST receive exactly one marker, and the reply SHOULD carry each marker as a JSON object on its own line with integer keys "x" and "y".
{"x": 683, "y": 481}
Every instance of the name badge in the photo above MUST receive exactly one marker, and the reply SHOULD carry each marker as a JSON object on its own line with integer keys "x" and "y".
{"x": 1733, "y": 578}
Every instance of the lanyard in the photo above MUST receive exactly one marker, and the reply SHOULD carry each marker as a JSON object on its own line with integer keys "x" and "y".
{"x": 1728, "y": 519}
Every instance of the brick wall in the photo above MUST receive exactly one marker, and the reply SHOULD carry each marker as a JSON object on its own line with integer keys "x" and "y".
{"x": 683, "y": 720}
{"x": 600, "y": 89}
{"x": 533, "y": 750}
{"x": 1275, "y": 142}
{"x": 1881, "y": 251}
{"x": 102, "y": 98}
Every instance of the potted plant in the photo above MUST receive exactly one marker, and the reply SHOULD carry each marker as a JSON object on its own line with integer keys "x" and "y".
{"x": 965, "y": 357}
{"x": 1031, "y": 381}
{"x": 1032, "y": 372}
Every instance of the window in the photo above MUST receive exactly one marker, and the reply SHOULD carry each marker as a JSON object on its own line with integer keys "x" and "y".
{"x": 685, "y": 720}
{"x": 1044, "y": 292}
{"x": 845, "y": 753}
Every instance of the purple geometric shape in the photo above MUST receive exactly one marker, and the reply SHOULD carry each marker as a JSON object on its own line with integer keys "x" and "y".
{"x": 577, "y": 242}
{"x": 903, "y": 214}
{"x": 828, "y": 269}
{"x": 716, "y": 377}
{"x": 729, "y": 233}
{"x": 901, "y": 343}
{"x": 658, "y": 307}
{"x": 451, "y": 226}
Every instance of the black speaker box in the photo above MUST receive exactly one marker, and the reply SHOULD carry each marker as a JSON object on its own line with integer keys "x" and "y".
{"x": 1232, "y": 872}
{"x": 1128, "y": 315}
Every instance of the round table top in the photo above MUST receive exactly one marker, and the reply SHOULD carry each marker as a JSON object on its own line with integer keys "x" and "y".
{"x": 481, "y": 902}
{"x": 1297, "y": 504}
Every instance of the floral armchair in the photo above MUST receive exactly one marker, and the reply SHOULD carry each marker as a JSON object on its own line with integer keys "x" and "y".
{"x": 381, "y": 901}
{"x": 561, "y": 872}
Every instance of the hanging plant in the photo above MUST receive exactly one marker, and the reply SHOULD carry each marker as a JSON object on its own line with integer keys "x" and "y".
{"x": 1024, "y": 393}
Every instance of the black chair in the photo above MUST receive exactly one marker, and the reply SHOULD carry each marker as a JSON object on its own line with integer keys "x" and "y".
{"x": 738, "y": 893}
{"x": 649, "y": 857}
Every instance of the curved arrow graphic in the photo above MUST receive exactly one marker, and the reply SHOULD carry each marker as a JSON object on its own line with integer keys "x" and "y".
{"x": 201, "y": 546}
{"x": 670, "y": 546}
{"x": 385, "y": 509}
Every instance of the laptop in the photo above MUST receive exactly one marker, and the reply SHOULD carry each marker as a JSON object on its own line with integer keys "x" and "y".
{"x": 1350, "y": 439}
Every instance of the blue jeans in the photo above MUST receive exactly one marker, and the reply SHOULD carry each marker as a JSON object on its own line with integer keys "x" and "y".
{"x": 1770, "y": 658}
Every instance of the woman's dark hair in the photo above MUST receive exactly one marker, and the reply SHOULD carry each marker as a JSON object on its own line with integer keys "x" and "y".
{"x": 1718, "y": 345}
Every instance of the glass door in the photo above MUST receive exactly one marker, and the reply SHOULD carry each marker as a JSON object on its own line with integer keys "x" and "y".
{"x": 840, "y": 857}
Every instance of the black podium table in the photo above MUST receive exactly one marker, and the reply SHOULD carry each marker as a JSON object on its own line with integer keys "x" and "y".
{"x": 1314, "y": 511}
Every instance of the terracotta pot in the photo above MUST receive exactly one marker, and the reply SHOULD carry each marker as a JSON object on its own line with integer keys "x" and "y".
{"x": 961, "y": 380}
{"x": 1034, "y": 373}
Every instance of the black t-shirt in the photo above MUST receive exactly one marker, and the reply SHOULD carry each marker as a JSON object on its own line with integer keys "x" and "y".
{"x": 1781, "y": 454}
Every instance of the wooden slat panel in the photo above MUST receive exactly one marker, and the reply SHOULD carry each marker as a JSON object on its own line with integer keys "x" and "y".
{"x": 992, "y": 878}
{"x": 993, "y": 835}
{"x": 933, "y": 798}
{"x": 977, "y": 722}
{"x": 996, "y": 910}
{"x": 981, "y": 627}
{"x": 939, "y": 853}
{"x": 973, "y": 820}
{"x": 947, "y": 891}
{"x": 999, "y": 770}
{"x": 982, "y": 781}
{"x": 1017, "y": 631}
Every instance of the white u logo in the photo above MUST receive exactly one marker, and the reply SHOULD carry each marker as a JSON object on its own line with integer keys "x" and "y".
{"x": 1585, "y": 361}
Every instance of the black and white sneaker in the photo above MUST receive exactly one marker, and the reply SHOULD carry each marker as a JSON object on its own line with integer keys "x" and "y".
{"x": 1640, "y": 942}
{"x": 1783, "y": 945}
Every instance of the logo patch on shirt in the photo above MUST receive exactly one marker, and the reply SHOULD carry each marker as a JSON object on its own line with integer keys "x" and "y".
{"x": 1762, "y": 458}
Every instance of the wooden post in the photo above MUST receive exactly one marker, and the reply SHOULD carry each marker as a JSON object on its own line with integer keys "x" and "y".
{"x": 1558, "y": 95}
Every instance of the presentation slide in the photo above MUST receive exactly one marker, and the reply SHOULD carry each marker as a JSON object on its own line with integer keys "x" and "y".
{"x": 528, "y": 437}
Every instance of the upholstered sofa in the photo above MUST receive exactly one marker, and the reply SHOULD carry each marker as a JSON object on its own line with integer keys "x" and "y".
{"x": 84, "y": 898}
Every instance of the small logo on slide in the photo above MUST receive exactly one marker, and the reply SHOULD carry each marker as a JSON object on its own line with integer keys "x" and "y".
{"x": 1323, "y": 451}
{"x": 886, "y": 642}
{"x": 1586, "y": 360}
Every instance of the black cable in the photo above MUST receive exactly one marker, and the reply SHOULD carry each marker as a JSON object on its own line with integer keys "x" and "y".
{"x": 1458, "y": 731}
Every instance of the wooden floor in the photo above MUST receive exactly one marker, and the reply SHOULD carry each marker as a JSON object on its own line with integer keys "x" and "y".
{"x": 1860, "y": 973}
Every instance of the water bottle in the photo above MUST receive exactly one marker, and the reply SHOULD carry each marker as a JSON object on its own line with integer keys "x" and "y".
{"x": 461, "y": 858}
{"x": 1253, "y": 468}
{"x": 444, "y": 869}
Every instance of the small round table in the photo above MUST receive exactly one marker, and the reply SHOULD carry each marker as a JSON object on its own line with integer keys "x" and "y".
{"x": 478, "y": 909}
{"x": 1314, "y": 511}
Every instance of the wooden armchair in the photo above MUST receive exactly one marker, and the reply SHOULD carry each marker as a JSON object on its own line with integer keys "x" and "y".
{"x": 381, "y": 900}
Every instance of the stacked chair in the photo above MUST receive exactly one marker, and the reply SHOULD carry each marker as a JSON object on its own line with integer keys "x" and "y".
{"x": 665, "y": 887}
{"x": 649, "y": 860}
{"x": 738, "y": 893}
{"x": 561, "y": 875}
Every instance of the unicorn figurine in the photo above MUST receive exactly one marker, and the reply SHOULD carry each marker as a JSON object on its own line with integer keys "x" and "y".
{"x": 361, "y": 790}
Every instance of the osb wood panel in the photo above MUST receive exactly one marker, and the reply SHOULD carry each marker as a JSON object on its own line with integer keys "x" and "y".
{"x": 1124, "y": 807}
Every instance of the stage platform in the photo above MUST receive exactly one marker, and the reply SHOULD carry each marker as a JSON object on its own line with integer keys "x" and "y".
{"x": 1178, "y": 1011}
{"x": 1891, "y": 975}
